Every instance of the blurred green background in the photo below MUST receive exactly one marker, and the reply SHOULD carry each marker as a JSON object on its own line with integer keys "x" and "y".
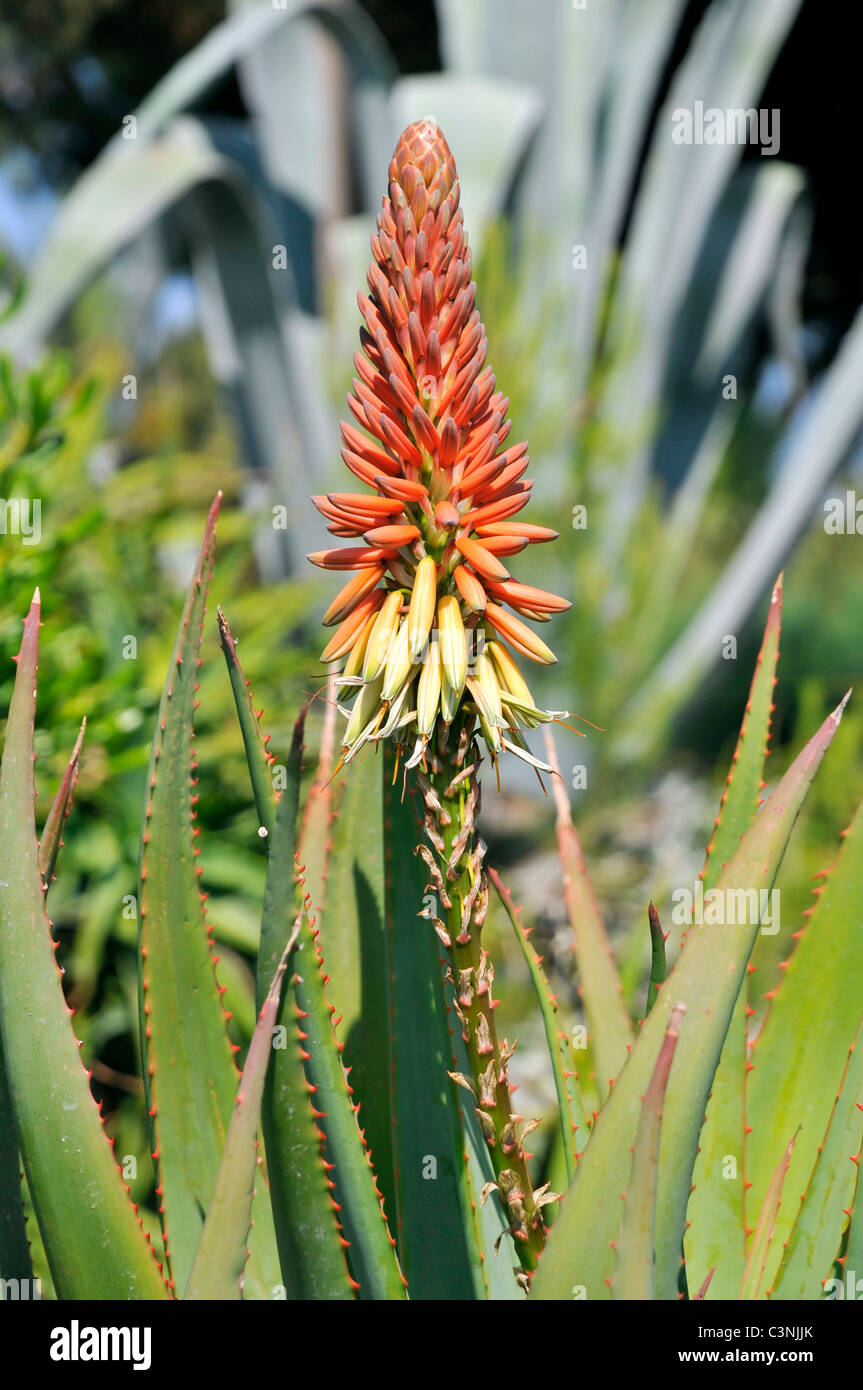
{"x": 186, "y": 196}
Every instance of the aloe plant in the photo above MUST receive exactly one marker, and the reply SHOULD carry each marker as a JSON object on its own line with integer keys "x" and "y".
{"x": 370, "y": 1147}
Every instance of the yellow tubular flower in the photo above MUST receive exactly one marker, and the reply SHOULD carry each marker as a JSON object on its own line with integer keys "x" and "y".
{"x": 381, "y": 636}
{"x": 429, "y": 691}
{"x": 398, "y": 665}
{"x": 422, "y": 605}
{"x": 510, "y": 677}
{"x": 453, "y": 642}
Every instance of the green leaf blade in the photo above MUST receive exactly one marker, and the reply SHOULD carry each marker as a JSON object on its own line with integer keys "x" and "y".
{"x": 793, "y": 1083}
{"x": 716, "y": 1234}
{"x": 633, "y": 1270}
{"x": 191, "y": 1077}
{"x": 220, "y": 1259}
{"x": 572, "y": 1117}
{"x": 708, "y": 975}
{"x": 609, "y": 1026}
{"x": 57, "y": 1122}
{"x": 816, "y": 1236}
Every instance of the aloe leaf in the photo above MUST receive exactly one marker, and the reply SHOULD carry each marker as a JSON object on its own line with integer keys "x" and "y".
{"x": 572, "y": 1117}
{"x": 371, "y": 1248}
{"x": 854, "y": 1243}
{"x": 609, "y": 1025}
{"x": 315, "y": 842}
{"x": 791, "y": 1082}
{"x": 15, "y": 1260}
{"x": 765, "y": 1230}
{"x": 258, "y": 756}
{"x": 438, "y": 1184}
{"x": 50, "y": 839}
{"x": 741, "y": 796}
{"x": 190, "y": 1074}
{"x": 716, "y": 1234}
{"x": 633, "y": 1269}
{"x": 816, "y": 1236}
{"x": 349, "y": 1173}
{"x": 708, "y": 975}
{"x": 273, "y": 935}
{"x": 307, "y": 1230}
{"x": 658, "y": 962}
{"x": 57, "y": 1122}
{"x": 217, "y": 1271}
{"x": 373, "y": 890}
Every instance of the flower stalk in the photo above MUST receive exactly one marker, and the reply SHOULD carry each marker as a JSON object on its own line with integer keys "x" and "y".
{"x": 454, "y": 857}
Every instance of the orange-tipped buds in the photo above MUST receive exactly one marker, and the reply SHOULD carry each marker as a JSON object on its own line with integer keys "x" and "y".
{"x": 504, "y": 545}
{"x": 446, "y": 516}
{"x": 364, "y": 503}
{"x": 361, "y": 446}
{"x": 526, "y": 596}
{"x": 393, "y": 536}
{"x": 519, "y": 635}
{"x": 353, "y": 593}
{"x": 470, "y": 588}
{"x": 429, "y": 538}
{"x": 529, "y": 532}
{"x": 401, "y": 488}
{"x": 453, "y": 643}
{"x": 381, "y": 635}
{"x": 479, "y": 558}
{"x": 496, "y": 511}
{"x": 422, "y": 606}
{"x": 429, "y": 691}
{"x": 425, "y": 430}
{"x": 349, "y": 557}
{"x": 351, "y": 630}
{"x": 399, "y": 664}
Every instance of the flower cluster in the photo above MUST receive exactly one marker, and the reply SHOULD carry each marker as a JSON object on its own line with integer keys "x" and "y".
{"x": 427, "y": 620}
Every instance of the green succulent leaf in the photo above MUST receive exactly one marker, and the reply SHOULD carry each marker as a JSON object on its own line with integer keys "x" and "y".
{"x": 633, "y": 1269}
{"x": 715, "y": 1236}
{"x": 572, "y": 1117}
{"x": 793, "y": 1082}
{"x": 441, "y": 1161}
{"x": 57, "y": 1122}
{"x": 810, "y": 1252}
{"x": 310, "y": 1250}
{"x": 258, "y": 757}
{"x": 765, "y": 1230}
{"x": 220, "y": 1259}
{"x": 52, "y": 831}
{"x": 191, "y": 1077}
{"x": 609, "y": 1025}
{"x": 708, "y": 975}
{"x": 340, "y": 1145}
{"x": 15, "y": 1261}
{"x": 371, "y": 1249}
{"x": 658, "y": 962}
